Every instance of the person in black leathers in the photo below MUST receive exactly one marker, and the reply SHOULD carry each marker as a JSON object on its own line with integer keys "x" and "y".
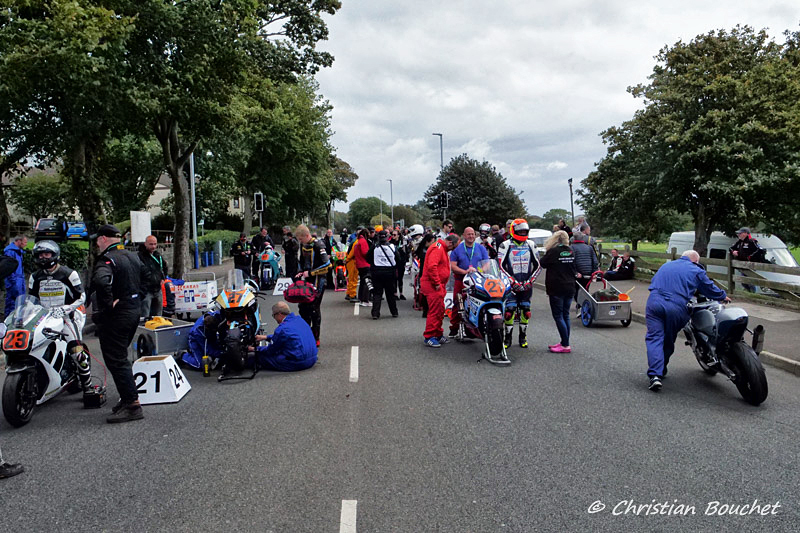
{"x": 242, "y": 254}
{"x": 330, "y": 242}
{"x": 290, "y": 250}
{"x": 115, "y": 290}
{"x": 314, "y": 264}
{"x": 258, "y": 244}
{"x": 7, "y": 266}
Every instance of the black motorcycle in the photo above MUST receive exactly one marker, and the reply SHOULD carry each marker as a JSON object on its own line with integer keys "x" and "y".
{"x": 716, "y": 334}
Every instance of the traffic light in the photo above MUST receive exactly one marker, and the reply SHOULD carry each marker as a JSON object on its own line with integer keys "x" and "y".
{"x": 258, "y": 202}
{"x": 443, "y": 200}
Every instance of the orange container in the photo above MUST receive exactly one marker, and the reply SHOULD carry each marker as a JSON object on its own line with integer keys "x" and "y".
{"x": 624, "y": 297}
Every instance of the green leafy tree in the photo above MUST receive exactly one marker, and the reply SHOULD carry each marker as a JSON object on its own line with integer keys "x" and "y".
{"x": 478, "y": 193}
{"x": 407, "y": 214}
{"x": 41, "y": 195}
{"x": 343, "y": 176}
{"x": 552, "y": 216}
{"x": 363, "y": 209}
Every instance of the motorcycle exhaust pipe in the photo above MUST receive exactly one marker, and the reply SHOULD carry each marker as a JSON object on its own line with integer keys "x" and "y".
{"x": 758, "y": 339}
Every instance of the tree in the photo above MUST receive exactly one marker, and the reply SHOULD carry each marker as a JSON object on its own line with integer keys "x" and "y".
{"x": 363, "y": 209}
{"x": 552, "y": 216}
{"x": 342, "y": 178}
{"x": 407, "y": 214}
{"x": 718, "y": 131}
{"x": 478, "y": 193}
{"x": 384, "y": 220}
{"x": 41, "y": 195}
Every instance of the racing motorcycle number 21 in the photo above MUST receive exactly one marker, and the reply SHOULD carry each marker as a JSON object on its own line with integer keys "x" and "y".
{"x": 494, "y": 288}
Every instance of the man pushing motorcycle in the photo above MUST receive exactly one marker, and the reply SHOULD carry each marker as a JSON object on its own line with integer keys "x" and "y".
{"x": 60, "y": 290}
{"x": 519, "y": 259}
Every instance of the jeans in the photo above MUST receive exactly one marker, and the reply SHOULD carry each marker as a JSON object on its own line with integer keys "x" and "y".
{"x": 560, "y": 305}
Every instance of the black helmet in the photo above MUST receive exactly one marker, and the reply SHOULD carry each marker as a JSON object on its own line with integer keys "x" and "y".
{"x": 46, "y": 246}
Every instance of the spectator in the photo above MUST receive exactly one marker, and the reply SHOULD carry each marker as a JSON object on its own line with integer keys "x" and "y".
{"x": 666, "y": 314}
{"x": 384, "y": 275}
{"x": 624, "y": 271}
{"x": 343, "y": 236}
{"x": 154, "y": 271}
{"x": 747, "y": 248}
{"x": 420, "y": 252}
{"x": 559, "y": 283}
{"x": 7, "y": 266}
{"x": 616, "y": 259}
{"x": 464, "y": 260}
{"x": 290, "y": 250}
{"x": 585, "y": 260}
{"x": 401, "y": 246}
{"x": 434, "y": 287}
{"x": 362, "y": 247}
{"x": 580, "y": 222}
{"x": 562, "y": 226}
{"x": 242, "y": 253}
{"x": 447, "y": 229}
{"x": 314, "y": 264}
{"x": 15, "y": 282}
{"x": 330, "y": 244}
{"x": 115, "y": 311}
{"x": 292, "y": 345}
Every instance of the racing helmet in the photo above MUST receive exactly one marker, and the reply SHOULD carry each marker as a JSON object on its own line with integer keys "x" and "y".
{"x": 520, "y": 230}
{"x": 415, "y": 230}
{"x": 379, "y": 228}
{"x": 484, "y": 229}
{"x": 46, "y": 246}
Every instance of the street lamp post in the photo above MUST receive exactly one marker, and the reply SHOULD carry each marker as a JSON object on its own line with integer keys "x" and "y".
{"x": 441, "y": 150}
{"x": 391, "y": 199}
{"x": 571, "y": 207}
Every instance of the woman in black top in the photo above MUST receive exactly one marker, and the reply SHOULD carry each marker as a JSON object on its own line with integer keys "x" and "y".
{"x": 559, "y": 262}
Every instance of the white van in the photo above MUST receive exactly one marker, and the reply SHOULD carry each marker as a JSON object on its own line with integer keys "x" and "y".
{"x": 539, "y": 236}
{"x": 719, "y": 244}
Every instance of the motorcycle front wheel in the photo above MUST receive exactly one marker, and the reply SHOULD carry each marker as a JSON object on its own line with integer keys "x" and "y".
{"x": 750, "y": 377}
{"x": 20, "y": 392}
{"x": 494, "y": 335}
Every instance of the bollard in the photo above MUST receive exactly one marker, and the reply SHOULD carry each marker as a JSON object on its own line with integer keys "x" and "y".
{"x": 219, "y": 252}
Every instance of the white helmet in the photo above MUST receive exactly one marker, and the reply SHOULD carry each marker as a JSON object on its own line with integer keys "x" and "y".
{"x": 415, "y": 230}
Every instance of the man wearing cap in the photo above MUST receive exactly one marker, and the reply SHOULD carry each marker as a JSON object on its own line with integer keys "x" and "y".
{"x": 747, "y": 249}
{"x": 115, "y": 290}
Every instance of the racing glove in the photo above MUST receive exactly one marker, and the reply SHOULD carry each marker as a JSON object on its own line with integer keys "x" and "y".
{"x": 57, "y": 312}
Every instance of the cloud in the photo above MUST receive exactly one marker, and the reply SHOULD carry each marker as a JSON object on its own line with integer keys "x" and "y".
{"x": 528, "y": 86}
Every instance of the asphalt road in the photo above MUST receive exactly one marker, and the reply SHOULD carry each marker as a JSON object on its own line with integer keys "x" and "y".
{"x": 424, "y": 440}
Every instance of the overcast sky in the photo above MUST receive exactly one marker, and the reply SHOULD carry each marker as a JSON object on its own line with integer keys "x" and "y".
{"x": 527, "y": 86}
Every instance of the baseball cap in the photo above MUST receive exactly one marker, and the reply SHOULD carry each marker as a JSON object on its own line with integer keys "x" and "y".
{"x": 106, "y": 230}
{"x": 743, "y": 230}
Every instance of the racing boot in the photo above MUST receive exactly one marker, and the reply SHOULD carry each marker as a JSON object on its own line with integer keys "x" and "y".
{"x": 509, "y": 333}
{"x": 83, "y": 367}
{"x": 523, "y": 335}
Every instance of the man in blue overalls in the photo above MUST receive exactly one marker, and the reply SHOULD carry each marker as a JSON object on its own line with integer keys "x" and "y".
{"x": 292, "y": 345}
{"x": 666, "y": 314}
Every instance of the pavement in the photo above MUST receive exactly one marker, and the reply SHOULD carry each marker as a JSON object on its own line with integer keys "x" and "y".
{"x": 386, "y": 435}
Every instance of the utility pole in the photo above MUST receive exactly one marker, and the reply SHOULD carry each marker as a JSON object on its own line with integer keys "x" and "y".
{"x": 194, "y": 211}
{"x": 391, "y": 199}
{"x": 441, "y": 150}
{"x": 571, "y": 207}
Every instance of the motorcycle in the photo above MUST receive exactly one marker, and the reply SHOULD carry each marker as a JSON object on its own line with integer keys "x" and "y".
{"x": 483, "y": 305}
{"x": 240, "y": 323}
{"x": 340, "y": 271}
{"x": 38, "y": 364}
{"x": 716, "y": 334}
{"x": 271, "y": 270}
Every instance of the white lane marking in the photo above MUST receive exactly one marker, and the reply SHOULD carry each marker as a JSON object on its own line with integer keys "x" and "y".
{"x": 355, "y": 309}
{"x": 347, "y": 520}
{"x": 354, "y": 364}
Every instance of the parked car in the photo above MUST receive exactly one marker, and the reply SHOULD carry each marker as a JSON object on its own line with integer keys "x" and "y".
{"x": 50, "y": 228}
{"x": 77, "y": 230}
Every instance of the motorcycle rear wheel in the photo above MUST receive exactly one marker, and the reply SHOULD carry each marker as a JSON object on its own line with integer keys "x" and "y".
{"x": 20, "y": 392}
{"x": 750, "y": 377}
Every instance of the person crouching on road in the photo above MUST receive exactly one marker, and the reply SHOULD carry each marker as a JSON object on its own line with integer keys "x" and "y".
{"x": 559, "y": 283}
{"x": 433, "y": 284}
{"x": 293, "y": 346}
{"x": 666, "y": 314}
{"x": 314, "y": 264}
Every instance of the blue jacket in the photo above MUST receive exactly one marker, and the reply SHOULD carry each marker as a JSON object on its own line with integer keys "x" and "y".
{"x": 678, "y": 280}
{"x": 17, "y": 278}
{"x": 293, "y": 343}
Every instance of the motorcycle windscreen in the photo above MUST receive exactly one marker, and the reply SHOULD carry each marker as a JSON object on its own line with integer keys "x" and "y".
{"x": 26, "y": 309}
{"x": 234, "y": 280}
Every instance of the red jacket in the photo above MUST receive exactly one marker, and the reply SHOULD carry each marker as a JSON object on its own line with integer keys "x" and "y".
{"x": 362, "y": 248}
{"x": 437, "y": 264}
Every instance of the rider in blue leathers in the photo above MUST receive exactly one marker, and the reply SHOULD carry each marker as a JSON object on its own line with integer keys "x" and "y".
{"x": 519, "y": 259}
{"x": 666, "y": 313}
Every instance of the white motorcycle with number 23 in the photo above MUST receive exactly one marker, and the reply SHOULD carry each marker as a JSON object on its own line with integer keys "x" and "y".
{"x": 38, "y": 365}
